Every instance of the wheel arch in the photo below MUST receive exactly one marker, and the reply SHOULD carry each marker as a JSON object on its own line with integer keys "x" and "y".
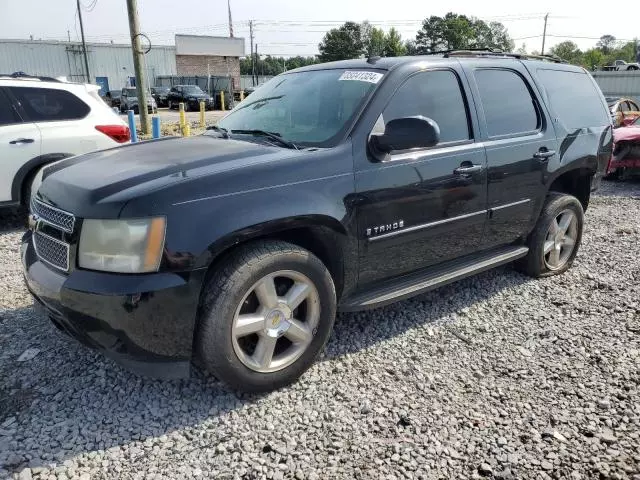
{"x": 576, "y": 182}
{"x": 322, "y": 235}
{"x": 28, "y": 169}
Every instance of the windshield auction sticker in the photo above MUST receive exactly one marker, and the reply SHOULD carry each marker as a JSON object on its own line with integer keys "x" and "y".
{"x": 371, "y": 77}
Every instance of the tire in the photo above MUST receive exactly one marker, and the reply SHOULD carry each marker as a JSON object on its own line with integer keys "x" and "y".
{"x": 231, "y": 354}
{"x": 136, "y": 110}
{"x": 186, "y": 106}
{"x": 564, "y": 210}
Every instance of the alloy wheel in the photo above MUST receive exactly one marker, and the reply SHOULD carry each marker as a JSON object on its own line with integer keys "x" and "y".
{"x": 560, "y": 241}
{"x": 276, "y": 321}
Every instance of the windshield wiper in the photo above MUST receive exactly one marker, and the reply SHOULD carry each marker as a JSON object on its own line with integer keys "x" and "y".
{"x": 223, "y": 131}
{"x": 271, "y": 135}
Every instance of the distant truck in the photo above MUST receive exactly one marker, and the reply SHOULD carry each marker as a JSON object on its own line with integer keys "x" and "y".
{"x": 621, "y": 66}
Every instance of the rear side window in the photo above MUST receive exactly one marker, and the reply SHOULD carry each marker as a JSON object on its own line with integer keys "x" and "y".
{"x": 574, "y": 98}
{"x": 435, "y": 95}
{"x": 508, "y": 106}
{"x": 8, "y": 115}
{"x": 48, "y": 104}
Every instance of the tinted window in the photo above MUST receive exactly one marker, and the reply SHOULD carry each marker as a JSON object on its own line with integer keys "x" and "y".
{"x": 46, "y": 104}
{"x": 310, "y": 108}
{"x": 507, "y": 103}
{"x": 434, "y": 95}
{"x": 574, "y": 98}
{"x": 7, "y": 113}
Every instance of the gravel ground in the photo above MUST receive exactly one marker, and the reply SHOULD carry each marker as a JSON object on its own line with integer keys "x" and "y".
{"x": 498, "y": 375}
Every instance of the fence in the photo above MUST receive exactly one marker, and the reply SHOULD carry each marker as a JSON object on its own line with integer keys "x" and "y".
{"x": 618, "y": 84}
{"x": 245, "y": 80}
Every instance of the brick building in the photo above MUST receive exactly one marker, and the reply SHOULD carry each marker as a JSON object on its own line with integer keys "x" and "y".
{"x": 203, "y": 55}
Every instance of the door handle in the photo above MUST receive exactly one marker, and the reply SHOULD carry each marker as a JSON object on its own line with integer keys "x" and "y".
{"x": 21, "y": 140}
{"x": 543, "y": 154}
{"x": 465, "y": 169}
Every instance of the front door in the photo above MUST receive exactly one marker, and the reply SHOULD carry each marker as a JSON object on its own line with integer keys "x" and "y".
{"x": 423, "y": 207}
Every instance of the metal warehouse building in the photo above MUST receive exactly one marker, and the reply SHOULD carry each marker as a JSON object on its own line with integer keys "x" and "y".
{"x": 111, "y": 65}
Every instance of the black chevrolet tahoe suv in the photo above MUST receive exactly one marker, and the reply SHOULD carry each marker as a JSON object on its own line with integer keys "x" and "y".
{"x": 340, "y": 186}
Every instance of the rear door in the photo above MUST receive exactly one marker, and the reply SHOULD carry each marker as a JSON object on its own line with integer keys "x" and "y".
{"x": 19, "y": 143}
{"x": 59, "y": 115}
{"x": 519, "y": 141}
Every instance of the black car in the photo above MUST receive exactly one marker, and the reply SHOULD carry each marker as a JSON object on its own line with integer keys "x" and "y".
{"x": 160, "y": 95}
{"x": 113, "y": 98}
{"x": 346, "y": 186}
{"x": 190, "y": 95}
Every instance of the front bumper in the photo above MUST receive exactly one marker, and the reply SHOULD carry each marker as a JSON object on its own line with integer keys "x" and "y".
{"x": 195, "y": 104}
{"x": 145, "y": 322}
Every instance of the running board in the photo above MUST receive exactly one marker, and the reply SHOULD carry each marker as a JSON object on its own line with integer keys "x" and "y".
{"x": 425, "y": 280}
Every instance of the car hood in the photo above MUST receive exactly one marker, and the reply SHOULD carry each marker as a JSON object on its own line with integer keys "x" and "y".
{"x": 98, "y": 184}
{"x": 196, "y": 95}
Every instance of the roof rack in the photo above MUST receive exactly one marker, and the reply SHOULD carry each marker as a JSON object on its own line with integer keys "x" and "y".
{"x": 499, "y": 53}
{"x": 494, "y": 52}
{"x": 26, "y": 76}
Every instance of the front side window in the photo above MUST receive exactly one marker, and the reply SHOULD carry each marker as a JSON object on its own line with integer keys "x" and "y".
{"x": 313, "y": 108}
{"x": 48, "y": 104}
{"x": 508, "y": 106}
{"x": 435, "y": 95}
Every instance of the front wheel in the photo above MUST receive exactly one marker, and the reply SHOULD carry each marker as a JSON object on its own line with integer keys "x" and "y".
{"x": 266, "y": 315}
{"x": 553, "y": 244}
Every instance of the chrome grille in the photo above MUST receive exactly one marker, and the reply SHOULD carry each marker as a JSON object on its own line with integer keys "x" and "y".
{"x": 54, "y": 216}
{"x": 52, "y": 251}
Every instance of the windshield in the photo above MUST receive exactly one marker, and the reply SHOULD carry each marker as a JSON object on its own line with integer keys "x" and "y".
{"x": 311, "y": 108}
{"x": 192, "y": 89}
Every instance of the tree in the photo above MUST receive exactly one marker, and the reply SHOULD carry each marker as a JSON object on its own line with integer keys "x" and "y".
{"x": 375, "y": 43}
{"x": 454, "y": 31}
{"x": 606, "y": 43}
{"x": 523, "y": 49}
{"x": 393, "y": 46}
{"x": 342, "y": 43}
{"x": 568, "y": 51}
{"x": 410, "y": 47}
{"x": 593, "y": 58}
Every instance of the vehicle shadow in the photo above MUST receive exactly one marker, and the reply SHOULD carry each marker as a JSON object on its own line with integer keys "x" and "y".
{"x": 69, "y": 400}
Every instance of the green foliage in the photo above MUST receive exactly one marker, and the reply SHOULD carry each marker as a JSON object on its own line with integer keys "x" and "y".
{"x": 343, "y": 42}
{"x": 568, "y": 51}
{"x": 454, "y": 31}
{"x": 606, "y": 52}
{"x": 376, "y": 42}
{"x": 393, "y": 46}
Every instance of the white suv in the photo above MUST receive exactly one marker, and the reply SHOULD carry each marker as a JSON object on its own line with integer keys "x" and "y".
{"x": 43, "y": 120}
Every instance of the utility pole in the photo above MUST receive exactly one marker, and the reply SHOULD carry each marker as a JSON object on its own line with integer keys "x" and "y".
{"x": 69, "y": 35}
{"x": 544, "y": 33}
{"x": 257, "y": 59}
{"x": 84, "y": 44}
{"x": 134, "y": 30}
{"x": 253, "y": 66}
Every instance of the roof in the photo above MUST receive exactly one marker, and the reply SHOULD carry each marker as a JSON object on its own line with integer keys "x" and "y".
{"x": 388, "y": 63}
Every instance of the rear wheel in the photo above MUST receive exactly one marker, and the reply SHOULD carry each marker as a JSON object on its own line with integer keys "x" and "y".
{"x": 266, "y": 315}
{"x": 554, "y": 243}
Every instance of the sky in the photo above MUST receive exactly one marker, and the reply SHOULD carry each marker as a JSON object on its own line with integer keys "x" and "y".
{"x": 295, "y": 27}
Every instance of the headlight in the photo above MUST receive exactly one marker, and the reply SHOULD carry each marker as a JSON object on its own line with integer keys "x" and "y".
{"x": 123, "y": 246}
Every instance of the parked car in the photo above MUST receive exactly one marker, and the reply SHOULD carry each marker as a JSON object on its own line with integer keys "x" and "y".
{"x": 43, "y": 120}
{"x": 623, "y": 110}
{"x": 129, "y": 101}
{"x": 190, "y": 95}
{"x": 346, "y": 185}
{"x": 113, "y": 97}
{"x": 625, "y": 160}
{"x": 160, "y": 95}
{"x": 621, "y": 66}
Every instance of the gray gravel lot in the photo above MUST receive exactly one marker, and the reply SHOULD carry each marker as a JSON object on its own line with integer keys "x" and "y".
{"x": 498, "y": 375}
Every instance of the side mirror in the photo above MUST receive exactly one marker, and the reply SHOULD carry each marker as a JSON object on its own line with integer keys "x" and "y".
{"x": 406, "y": 133}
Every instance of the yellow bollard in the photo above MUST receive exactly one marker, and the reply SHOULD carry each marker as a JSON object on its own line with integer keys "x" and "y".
{"x": 241, "y": 95}
{"x": 186, "y": 130}
{"x": 222, "y": 100}
{"x": 182, "y": 117}
{"x": 202, "y": 113}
